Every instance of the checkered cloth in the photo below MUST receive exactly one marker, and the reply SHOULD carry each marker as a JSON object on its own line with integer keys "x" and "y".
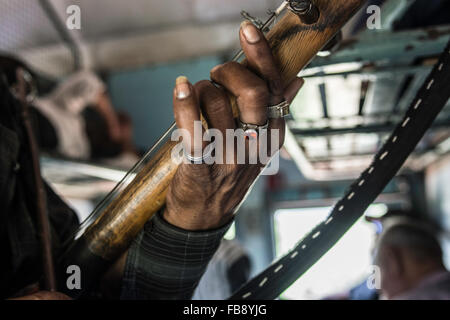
{"x": 165, "y": 262}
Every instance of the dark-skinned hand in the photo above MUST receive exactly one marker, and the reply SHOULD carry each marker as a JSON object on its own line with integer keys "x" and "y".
{"x": 205, "y": 196}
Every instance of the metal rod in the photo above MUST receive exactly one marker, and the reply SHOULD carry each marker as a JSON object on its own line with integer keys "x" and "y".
{"x": 323, "y": 99}
{"x": 48, "y": 267}
{"x": 303, "y": 133}
{"x": 265, "y": 26}
{"x": 62, "y": 31}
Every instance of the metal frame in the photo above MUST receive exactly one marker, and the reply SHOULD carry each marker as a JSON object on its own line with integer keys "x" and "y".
{"x": 373, "y": 56}
{"x": 380, "y": 46}
{"x": 53, "y": 16}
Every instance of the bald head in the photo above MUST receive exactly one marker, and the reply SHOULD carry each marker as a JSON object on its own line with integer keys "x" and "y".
{"x": 407, "y": 251}
{"x": 416, "y": 238}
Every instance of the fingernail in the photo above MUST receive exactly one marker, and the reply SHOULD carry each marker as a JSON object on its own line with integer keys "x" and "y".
{"x": 251, "y": 33}
{"x": 182, "y": 87}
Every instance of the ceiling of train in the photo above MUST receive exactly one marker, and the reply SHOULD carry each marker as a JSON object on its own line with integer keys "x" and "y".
{"x": 125, "y": 34}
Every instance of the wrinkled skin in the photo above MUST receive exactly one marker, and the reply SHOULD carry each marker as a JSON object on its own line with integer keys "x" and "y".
{"x": 203, "y": 196}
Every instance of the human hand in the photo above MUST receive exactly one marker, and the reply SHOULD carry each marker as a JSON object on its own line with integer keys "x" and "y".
{"x": 205, "y": 196}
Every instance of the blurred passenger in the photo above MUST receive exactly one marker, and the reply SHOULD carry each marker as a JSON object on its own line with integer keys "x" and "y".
{"x": 77, "y": 120}
{"x": 227, "y": 271}
{"x": 410, "y": 260}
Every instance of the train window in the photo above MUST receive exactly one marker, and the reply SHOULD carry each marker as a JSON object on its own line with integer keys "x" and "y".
{"x": 343, "y": 267}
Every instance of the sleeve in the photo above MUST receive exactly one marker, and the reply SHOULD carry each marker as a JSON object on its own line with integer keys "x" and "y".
{"x": 165, "y": 262}
{"x": 63, "y": 219}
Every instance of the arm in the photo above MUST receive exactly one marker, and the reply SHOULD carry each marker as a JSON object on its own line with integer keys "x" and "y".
{"x": 166, "y": 262}
{"x": 169, "y": 257}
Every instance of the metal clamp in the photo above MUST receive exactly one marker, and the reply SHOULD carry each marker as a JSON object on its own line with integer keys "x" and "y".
{"x": 265, "y": 26}
{"x": 30, "y": 87}
{"x": 257, "y": 22}
{"x": 305, "y": 10}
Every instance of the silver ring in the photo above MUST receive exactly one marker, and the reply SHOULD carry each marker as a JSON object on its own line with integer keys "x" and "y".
{"x": 280, "y": 110}
{"x": 206, "y": 154}
{"x": 251, "y": 131}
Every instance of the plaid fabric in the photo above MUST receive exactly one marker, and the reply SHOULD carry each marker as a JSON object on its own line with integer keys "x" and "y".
{"x": 165, "y": 262}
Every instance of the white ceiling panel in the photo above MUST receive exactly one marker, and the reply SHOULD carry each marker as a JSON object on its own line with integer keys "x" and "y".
{"x": 106, "y": 18}
{"x": 124, "y": 24}
{"x": 23, "y": 25}
{"x": 211, "y": 10}
{"x": 102, "y": 18}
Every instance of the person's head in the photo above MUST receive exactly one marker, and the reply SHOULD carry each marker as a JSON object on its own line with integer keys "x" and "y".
{"x": 407, "y": 251}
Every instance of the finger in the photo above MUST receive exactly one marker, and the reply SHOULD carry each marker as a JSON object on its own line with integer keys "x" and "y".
{"x": 215, "y": 106}
{"x": 292, "y": 89}
{"x": 187, "y": 116}
{"x": 252, "y": 95}
{"x": 260, "y": 59}
{"x": 289, "y": 94}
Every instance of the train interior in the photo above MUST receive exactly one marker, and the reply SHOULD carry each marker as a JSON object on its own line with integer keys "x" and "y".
{"x": 356, "y": 91}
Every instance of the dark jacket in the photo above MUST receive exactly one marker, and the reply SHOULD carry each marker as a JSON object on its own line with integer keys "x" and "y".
{"x": 20, "y": 264}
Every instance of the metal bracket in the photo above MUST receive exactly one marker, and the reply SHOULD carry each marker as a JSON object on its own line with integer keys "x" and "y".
{"x": 257, "y": 22}
{"x": 31, "y": 88}
{"x": 262, "y": 26}
{"x": 305, "y": 10}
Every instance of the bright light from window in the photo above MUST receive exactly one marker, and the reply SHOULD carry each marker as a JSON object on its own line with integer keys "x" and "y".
{"x": 344, "y": 266}
{"x": 231, "y": 233}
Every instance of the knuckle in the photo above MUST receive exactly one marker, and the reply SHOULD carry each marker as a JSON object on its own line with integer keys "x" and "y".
{"x": 231, "y": 65}
{"x": 216, "y": 105}
{"x": 214, "y": 72}
{"x": 261, "y": 52}
{"x": 212, "y": 99}
{"x": 202, "y": 84}
{"x": 255, "y": 94}
{"x": 218, "y": 70}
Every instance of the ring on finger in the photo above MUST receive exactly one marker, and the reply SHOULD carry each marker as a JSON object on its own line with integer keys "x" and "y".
{"x": 280, "y": 110}
{"x": 251, "y": 131}
{"x": 204, "y": 158}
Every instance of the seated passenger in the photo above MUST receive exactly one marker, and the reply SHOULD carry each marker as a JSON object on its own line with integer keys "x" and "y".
{"x": 410, "y": 260}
